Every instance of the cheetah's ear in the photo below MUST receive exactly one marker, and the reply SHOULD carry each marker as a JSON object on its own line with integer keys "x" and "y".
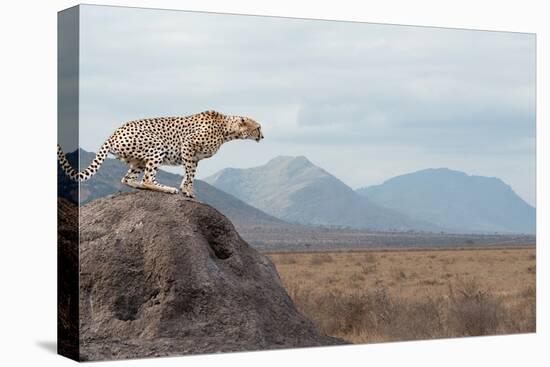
{"x": 242, "y": 122}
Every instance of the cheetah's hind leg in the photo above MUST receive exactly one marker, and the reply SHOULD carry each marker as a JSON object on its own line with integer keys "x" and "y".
{"x": 149, "y": 178}
{"x": 131, "y": 177}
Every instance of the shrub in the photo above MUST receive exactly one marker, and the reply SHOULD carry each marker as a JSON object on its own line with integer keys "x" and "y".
{"x": 473, "y": 311}
{"x": 369, "y": 258}
{"x": 320, "y": 259}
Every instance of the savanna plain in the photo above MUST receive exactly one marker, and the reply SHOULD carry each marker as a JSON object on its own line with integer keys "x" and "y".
{"x": 390, "y": 295}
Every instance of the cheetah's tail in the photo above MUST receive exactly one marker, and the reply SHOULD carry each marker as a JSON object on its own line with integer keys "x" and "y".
{"x": 90, "y": 170}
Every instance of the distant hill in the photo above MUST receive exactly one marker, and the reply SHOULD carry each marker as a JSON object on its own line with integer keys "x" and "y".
{"x": 107, "y": 182}
{"x": 455, "y": 200}
{"x": 295, "y": 190}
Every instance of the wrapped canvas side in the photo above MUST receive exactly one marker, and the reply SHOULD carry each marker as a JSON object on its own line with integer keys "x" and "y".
{"x": 67, "y": 190}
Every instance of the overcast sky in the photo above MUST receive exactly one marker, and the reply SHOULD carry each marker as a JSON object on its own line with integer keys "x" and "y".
{"x": 364, "y": 101}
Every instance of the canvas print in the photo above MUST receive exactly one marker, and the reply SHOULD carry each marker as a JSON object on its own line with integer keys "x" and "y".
{"x": 237, "y": 183}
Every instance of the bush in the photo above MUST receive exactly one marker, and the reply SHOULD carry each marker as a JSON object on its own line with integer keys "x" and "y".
{"x": 473, "y": 311}
{"x": 319, "y": 259}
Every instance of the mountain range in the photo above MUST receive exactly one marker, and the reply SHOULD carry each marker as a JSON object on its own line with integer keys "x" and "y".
{"x": 295, "y": 190}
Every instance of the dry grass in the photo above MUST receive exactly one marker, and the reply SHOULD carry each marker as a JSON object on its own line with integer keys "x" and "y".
{"x": 370, "y": 296}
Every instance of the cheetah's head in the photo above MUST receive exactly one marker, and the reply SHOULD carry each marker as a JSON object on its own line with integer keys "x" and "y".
{"x": 250, "y": 129}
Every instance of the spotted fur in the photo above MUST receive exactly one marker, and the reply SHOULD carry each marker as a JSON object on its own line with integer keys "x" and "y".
{"x": 147, "y": 144}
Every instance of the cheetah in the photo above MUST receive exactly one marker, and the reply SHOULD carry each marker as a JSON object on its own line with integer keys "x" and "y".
{"x": 149, "y": 143}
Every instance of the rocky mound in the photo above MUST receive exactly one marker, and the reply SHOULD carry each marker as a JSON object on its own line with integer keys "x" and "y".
{"x": 161, "y": 275}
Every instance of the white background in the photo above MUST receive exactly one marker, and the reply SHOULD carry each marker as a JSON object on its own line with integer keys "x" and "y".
{"x": 27, "y": 182}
